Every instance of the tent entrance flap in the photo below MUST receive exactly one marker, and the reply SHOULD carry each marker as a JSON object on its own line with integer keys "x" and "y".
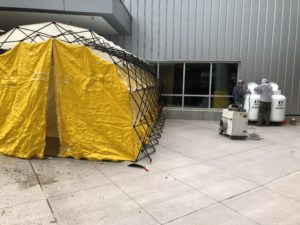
{"x": 52, "y": 136}
{"x": 23, "y": 95}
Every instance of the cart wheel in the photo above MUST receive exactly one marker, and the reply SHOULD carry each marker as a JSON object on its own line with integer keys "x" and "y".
{"x": 220, "y": 131}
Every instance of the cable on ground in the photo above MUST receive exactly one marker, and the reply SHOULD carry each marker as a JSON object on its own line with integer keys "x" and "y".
{"x": 252, "y": 135}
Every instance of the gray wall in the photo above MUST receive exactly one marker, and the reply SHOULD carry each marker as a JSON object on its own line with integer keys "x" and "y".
{"x": 113, "y": 11}
{"x": 264, "y": 35}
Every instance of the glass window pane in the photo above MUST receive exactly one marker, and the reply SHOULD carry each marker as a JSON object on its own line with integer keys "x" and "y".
{"x": 196, "y": 102}
{"x": 170, "y": 78}
{"x": 197, "y": 78}
{"x": 221, "y": 102}
{"x": 172, "y": 101}
{"x": 224, "y": 77}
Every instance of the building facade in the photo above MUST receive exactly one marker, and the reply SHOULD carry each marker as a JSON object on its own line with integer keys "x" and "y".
{"x": 200, "y": 47}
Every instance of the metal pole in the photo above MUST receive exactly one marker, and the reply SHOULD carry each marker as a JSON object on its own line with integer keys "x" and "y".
{"x": 210, "y": 80}
{"x": 183, "y": 84}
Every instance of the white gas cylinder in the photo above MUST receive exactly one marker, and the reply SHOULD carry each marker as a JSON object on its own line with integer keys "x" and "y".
{"x": 274, "y": 86}
{"x": 251, "y": 105}
{"x": 278, "y": 108}
{"x": 251, "y": 86}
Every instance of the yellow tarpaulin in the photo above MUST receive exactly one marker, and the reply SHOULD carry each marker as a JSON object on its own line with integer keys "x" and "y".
{"x": 24, "y": 74}
{"x": 93, "y": 105}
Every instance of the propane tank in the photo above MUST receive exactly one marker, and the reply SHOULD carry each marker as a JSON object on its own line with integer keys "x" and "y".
{"x": 252, "y": 100}
{"x": 251, "y": 103}
{"x": 278, "y": 104}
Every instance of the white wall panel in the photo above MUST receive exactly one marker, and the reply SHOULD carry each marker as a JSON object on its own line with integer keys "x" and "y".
{"x": 148, "y": 29}
{"x": 276, "y": 39}
{"x": 192, "y": 27}
{"x": 244, "y": 38}
{"x": 259, "y": 46}
{"x": 218, "y": 46}
{"x": 237, "y": 30}
{"x": 199, "y": 30}
{"x": 283, "y": 47}
{"x": 207, "y": 27}
{"x": 251, "y": 48}
{"x": 156, "y": 15}
{"x": 184, "y": 38}
{"x": 141, "y": 17}
{"x": 228, "y": 42}
{"x": 289, "y": 63}
{"x": 268, "y": 37}
{"x": 162, "y": 45}
{"x": 177, "y": 15}
{"x": 169, "y": 38}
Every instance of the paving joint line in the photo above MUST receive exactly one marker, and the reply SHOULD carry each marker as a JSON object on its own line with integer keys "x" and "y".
{"x": 240, "y": 213}
{"x": 217, "y": 201}
{"x": 126, "y": 194}
{"x": 47, "y": 200}
{"x": 24, "y": 203}
{"x": 172, "y": 220}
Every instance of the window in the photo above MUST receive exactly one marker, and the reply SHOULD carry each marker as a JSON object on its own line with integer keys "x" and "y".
{"x": 197, "y": 78}
{"x": 172, "y": 101}
{"x": 224, "y": 77}
{"x": 197, "y": 85}
{"x": 201, "y": 102}
{"x": 171, "y": 81}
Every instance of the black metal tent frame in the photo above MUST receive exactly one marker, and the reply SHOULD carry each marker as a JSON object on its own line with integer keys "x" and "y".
{"x": 149, "y": 121}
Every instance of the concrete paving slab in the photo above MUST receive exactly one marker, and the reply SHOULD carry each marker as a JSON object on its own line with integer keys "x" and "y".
{"x": 164, "y": 197}
{"x": 33, "y": 213}
{"x": 266, "y": 207}
{"x": 179, "y": 131}
{"x": 197, "y": 151}
{"x": 236, "y": 146}
{"x": 288, "y": 186}
{"x": 165, "y": 159}
{"x": 173, "y": 141}
{"x": 99, "y": 206}
{"x": 193, "y": 168}
{"x": 13, "y": 170}
{"x": 121, "y": 171}
{"x": 60, "y": 176}
{"x": 294, "y": 142}
{"x": 197, "y": 133}
{"x": 20, "y": 193}
{"x": 280, "y": 134}
{"x": 209, "y": 124}
{"x": 248, "y": 169}
{"x": 275, "y": 159}
{"x": 217, "y": 214}
{"x": 213, "y": 182}
{"x": 286, "y": 150}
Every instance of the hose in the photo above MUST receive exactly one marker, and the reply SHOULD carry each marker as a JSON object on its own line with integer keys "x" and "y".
{"x": 253, "y": 135}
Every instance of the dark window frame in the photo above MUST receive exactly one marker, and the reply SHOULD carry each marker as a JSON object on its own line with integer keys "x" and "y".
{"x": 210, "y": 95}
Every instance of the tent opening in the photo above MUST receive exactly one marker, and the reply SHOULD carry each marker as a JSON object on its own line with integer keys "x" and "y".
{"x": 52, "y": 135}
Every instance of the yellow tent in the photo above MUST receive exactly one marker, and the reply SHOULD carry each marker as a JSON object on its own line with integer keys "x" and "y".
{"x": 98, "y": 100}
